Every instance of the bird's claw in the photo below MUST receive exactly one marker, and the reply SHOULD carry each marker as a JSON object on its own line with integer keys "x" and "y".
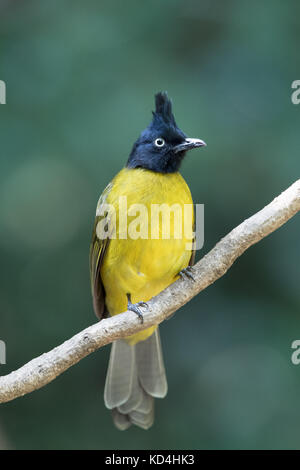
{"x": 187, "y": 273}
{"x": 136, "y": 307}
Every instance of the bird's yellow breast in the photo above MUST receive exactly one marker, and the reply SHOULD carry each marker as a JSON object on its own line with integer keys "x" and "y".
{"x": 150, "y": 249}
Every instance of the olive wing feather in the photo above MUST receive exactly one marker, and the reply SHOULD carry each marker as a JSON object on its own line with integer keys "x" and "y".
{"x": 97, "y": 252}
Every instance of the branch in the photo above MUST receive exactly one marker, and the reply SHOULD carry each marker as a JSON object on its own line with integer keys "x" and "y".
{"x": 45, "y": 368}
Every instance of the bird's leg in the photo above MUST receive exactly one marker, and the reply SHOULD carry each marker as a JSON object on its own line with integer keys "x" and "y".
{"x": 135, "y": 307}
{"x": 187, "y": 273}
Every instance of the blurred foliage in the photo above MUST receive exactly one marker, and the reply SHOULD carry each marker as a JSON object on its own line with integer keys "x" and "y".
{"x": 80, "y": 83}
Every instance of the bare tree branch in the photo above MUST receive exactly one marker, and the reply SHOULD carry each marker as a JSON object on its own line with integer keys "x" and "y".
{"x": 45, "y": 368}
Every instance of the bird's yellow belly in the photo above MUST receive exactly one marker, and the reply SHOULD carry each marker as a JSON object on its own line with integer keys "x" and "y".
{"x": 144, "y": 267}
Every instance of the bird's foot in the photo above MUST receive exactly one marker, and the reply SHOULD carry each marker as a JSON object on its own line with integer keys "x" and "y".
{"x": 136, "y": 307}
{"x": 187, "y": 273}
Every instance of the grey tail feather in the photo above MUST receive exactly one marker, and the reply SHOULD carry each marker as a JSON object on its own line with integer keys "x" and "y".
{"x": 136, "y": 375}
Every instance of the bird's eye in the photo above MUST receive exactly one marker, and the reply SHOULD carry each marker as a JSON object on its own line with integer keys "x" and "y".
{"x": 159, "y": 142}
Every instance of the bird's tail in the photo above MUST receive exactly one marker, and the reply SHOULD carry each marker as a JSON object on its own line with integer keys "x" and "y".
{"x": 136, "y": 375}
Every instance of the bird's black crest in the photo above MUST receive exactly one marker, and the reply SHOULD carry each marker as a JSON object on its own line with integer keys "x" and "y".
{"x": 163, "y": 108}
{"x": 146, "y": 154}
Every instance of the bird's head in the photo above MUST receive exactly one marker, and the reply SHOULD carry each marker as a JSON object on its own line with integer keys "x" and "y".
{"x": 162, "y": 145}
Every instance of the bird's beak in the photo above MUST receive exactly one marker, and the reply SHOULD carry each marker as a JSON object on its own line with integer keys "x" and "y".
{"x": 189, "y": 144}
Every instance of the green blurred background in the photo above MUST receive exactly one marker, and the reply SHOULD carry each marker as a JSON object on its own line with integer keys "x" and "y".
{"x": 80, "y": 82}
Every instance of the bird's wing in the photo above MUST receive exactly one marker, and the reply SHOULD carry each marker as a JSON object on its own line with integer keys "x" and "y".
{"x": 97, "y": 252}
{"x": 192, "y": 258}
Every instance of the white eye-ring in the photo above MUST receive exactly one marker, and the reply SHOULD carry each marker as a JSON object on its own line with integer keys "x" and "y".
{"x": 159, "y": 142}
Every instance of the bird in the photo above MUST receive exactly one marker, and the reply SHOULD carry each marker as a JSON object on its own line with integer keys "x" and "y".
{"x": 126, "y": 272}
